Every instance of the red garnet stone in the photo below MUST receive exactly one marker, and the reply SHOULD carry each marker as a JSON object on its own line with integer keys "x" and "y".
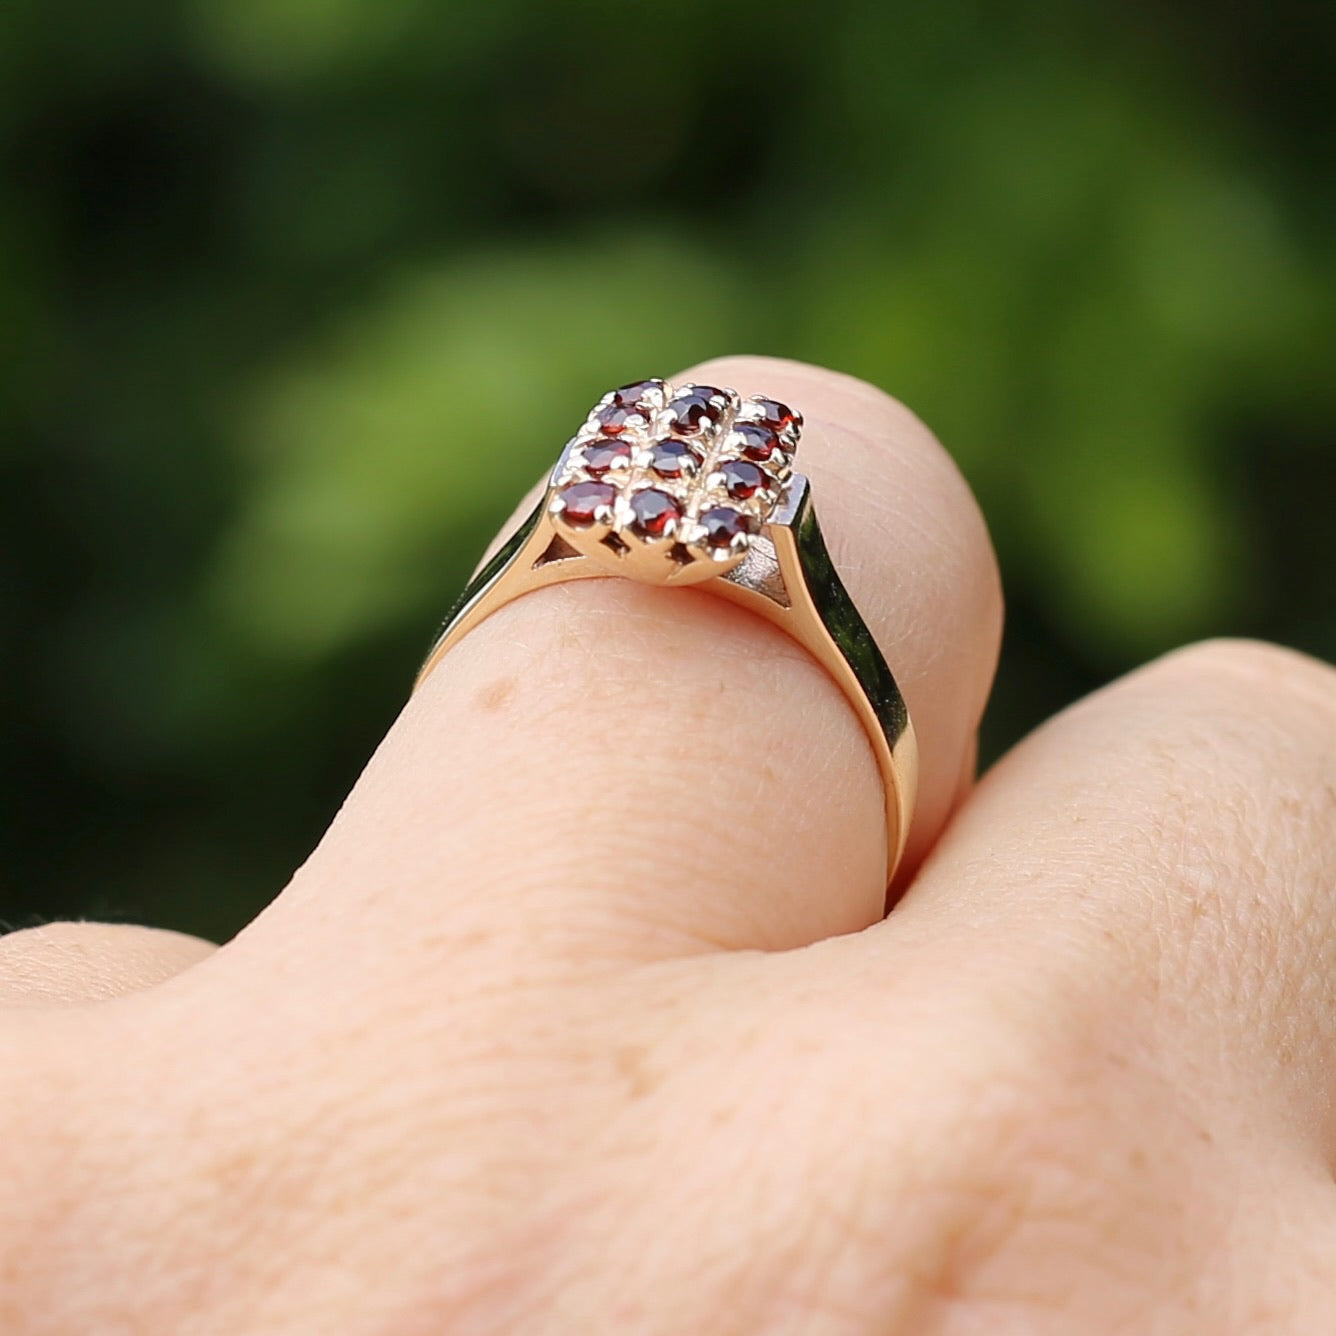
{"x": 655, "y": 512}
{"x": 674, "y": 459}
{"x": 600, "y": 456}
{"x": 755, "y": 440}
{"x": 742, "y": 479}
{"x": 615, "y": 418}
{"x": 582, "y": 501}
{"x": 694, "y": 409}
{"x": 723, "y": 524}
{"x": 775, "y": 415}
{"x": 635, "y": 394}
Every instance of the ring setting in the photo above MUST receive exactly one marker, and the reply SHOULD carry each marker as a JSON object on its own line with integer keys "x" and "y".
{"x": 670, "y": 484}
{"x": 695, "y": 485}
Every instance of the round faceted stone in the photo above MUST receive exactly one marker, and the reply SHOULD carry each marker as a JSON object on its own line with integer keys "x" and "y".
{"x": 637, "y": 393}
{"x": 600, "y": 456}
{"x": 694, "y": 409}
{"x": 656, "y": 513}
{"x": 615, "y": 418}
{"x": 674, "y": 459}
{"x": 585, "y": 503}
{"x": 724, "y": 526}
{"x": 742, "y": 479}
{"x": 755, "y": 440}
{"x": 771, "y": 413}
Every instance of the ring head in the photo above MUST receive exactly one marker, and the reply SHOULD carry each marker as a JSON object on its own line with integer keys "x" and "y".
{"x": 671, "y": 484}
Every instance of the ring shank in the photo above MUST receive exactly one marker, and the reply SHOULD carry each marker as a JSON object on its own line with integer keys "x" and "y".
{"x": 788, "y": 578}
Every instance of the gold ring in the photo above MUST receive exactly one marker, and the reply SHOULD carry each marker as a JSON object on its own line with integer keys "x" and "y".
{"x": 694, "y": 485}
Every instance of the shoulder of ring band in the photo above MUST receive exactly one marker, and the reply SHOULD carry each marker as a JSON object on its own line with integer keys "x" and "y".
{"x": 695, "y": 485}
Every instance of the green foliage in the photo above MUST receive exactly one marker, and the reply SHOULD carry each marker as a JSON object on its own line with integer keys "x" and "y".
{"x": 271, "y": 272}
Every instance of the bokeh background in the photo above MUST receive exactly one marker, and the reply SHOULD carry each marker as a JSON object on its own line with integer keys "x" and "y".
{"x": 272, "y": 271}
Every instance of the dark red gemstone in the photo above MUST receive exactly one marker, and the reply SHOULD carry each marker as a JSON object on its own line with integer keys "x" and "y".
{"x": 742, "y": 479}
{"x": 723, "y": 524}
{"x": 615, "y": 418}
{"x": 776, "y": 415}
{"x": 600, "y": 456}
{"x": 655, "y": 512}
{"x": 638, "y": 392}
{"x": 581, "y": 502}
{"x": 694, "y": 409}
{"x": 755, "y": 440}
{"x": 674, "y": 459}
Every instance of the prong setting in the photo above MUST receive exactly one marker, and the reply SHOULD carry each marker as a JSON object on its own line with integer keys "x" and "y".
{"x": 672, "y": 483}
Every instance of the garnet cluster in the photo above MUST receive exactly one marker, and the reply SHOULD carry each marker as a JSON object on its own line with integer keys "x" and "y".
{"x": 688, "y": 472}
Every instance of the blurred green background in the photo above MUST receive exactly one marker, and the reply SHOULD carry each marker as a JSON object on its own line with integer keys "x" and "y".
{"x": 272, "y": 270}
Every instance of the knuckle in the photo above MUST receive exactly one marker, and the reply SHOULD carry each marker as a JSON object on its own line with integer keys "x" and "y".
{"x": 1224, "y": 721}
{"x": 70, "y": 962}
{"x": 979, "y": 1199}
{"x": 33, "y": 959}
{"x": 40, "y": 936}
{"x": 1012, "y": 1171}
{"x": 1241, "y": 667}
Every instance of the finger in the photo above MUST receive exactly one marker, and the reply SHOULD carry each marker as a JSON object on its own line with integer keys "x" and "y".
{"x": 60, "y": 964}
{"x": 1169, "y": 848}
{"x": 604, "y": 755}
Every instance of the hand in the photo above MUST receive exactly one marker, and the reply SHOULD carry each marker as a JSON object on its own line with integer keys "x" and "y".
{"x": 582, "y": 1018}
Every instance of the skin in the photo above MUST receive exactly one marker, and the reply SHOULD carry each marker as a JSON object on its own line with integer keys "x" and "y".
{"x": 584, "y": 1016}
